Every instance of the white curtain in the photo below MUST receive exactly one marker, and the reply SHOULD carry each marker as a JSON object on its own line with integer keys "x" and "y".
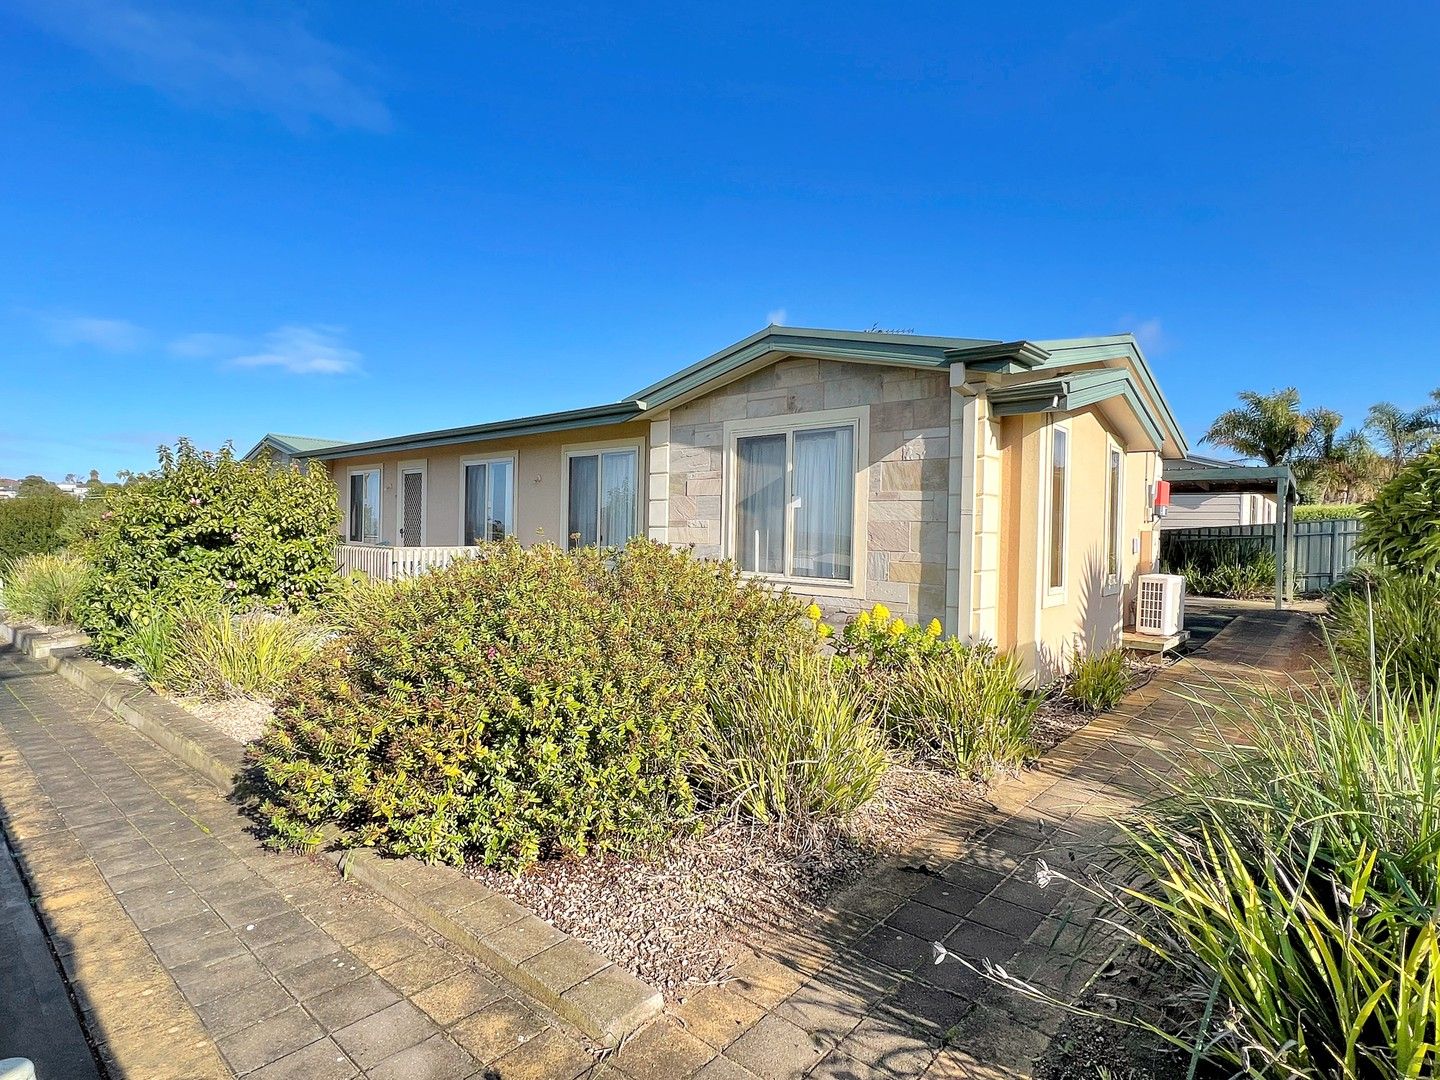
{"x": 617, "y": 497}
{"x": 476, "y": 481}
{"x": 825, "y": 488}
{"x": 760, "y": 523}
{"x": 584, "y": 496}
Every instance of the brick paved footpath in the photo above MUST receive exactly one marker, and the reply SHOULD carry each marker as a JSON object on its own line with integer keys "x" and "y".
{"x": 196, "y": 953}
{"x": 184, "y": 926}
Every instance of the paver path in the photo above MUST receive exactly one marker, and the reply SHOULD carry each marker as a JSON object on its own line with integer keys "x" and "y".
{"x": 860, "y": 997}
{"x": 196, "y": 953}
{"x": 173, "y": 919}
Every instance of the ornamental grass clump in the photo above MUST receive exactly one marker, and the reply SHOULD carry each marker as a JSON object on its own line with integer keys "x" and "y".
{"x": 46, "y": 589}
{"x": 1292, "y": 879}
{"x": 527, "y": 703}
{"x": 964, "y": 707}
{"x": 790, "y": 742}
{"x": 1391, "y": 619}
{"x": 1098, "y": 680}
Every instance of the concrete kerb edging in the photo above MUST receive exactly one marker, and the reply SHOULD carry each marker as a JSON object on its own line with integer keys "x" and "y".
{"x": 562, "y": 973}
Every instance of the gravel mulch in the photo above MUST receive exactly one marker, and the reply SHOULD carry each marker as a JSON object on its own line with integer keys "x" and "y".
{"x": 676, "y": 918}
{"x": 241, "y": 718}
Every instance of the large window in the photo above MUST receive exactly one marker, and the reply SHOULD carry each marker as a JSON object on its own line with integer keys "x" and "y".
{"x": 1114, "y": 515}
{"x": 602, "y": 496}
{"x": 489, "y": 500}
{"x": 1059, "y": 495}
{"x": 795, "y": 502}
{"x": 365, "y": 506}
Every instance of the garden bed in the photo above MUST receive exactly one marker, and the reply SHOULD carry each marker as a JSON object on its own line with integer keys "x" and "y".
{"x": 676, "y": 919}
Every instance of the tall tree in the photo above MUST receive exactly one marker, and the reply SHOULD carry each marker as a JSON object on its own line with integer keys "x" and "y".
{"x": 1402, "y": 433}
{"x": 1269, "y": 427}
{"x": 34, "y": 484}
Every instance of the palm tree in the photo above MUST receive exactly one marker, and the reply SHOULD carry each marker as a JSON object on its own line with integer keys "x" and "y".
{"x": 1331, "y": 467}
{"x": 1270, "y": 427}
{"x": 1401, "y": 433}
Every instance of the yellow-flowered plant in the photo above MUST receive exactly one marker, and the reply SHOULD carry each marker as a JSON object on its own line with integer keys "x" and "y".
{"x": 876, "y": 638}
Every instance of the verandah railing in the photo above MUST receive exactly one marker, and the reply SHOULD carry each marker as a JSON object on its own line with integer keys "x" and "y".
{"x": 385, "y": 563}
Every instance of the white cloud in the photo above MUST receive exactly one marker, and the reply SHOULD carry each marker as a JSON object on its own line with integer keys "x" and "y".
{"x": 112, "y": 335}
{"x": 239, "y": 60}
{"x": 1148, "y": 332}
{"x": 303, "y": 350}
{"x": 776, "y": 317}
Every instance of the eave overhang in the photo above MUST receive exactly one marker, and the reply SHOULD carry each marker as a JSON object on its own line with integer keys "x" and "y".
{"x": 1001, "y": 357}
{"x": 570, "y": 420}
{"x": 1079, "y": 390}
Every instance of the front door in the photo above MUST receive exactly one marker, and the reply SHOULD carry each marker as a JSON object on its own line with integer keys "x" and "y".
{"x": 412, "y": 507}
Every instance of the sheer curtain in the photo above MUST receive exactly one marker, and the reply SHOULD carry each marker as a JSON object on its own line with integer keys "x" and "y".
{"x": 584, "y": 497}
{"x": 617, "y": 497}
{"x": 760, "y": 521}
{"x": 475, "y": 477}
{"x": 825, "y": 488}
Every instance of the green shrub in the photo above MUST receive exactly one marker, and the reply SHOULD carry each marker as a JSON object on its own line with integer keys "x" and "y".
{"x": 1400, "y": 527}
{"x": 790, "y": 742}
{"x": 207, "y": 528}
{"x": 1292, "y": 879}
{"x": 1235, "y": 570}
{"x": 523, "y": 704}
{"x": 45, "y": 588}
{"x": 1327, "y": 511}
{"x": 1099, "y": 681}
{"x": 34, "y": 524}
{"x": 1393, "y": 617}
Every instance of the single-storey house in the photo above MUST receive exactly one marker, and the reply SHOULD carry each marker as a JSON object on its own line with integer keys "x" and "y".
{"x": 1003, "y": 487}
{"x": 282, "y": 449}
{"x": 1201, "y": 509}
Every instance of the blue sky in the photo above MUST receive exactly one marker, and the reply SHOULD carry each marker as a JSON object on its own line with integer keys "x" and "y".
{"x": 355, "y": 220}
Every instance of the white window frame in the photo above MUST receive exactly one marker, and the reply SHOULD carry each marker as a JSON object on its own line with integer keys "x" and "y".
{"x": 489, "y": 459}
{"x": 594, "y": 449}
{"x": 355, "y": 470}
{"x": 1115, "y": 518}
{"x": 732, "y": 431}
{"x": 418, "y": 466}
{"x": 1053, "y": 595}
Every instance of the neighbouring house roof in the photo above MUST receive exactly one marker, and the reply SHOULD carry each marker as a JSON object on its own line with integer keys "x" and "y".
{"x": 1134, "y": 383}
{"x": 291, "y": 445}
{"x": 1194, "y": 475}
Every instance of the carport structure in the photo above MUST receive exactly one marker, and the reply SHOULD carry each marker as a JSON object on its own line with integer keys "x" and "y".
{"x": 1204, "y": 477}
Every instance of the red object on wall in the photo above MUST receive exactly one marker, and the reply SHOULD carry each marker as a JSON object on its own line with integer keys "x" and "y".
{"x": 1162, "y": 493}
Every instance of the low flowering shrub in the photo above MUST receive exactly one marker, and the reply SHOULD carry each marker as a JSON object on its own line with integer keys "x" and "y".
{"x": 46, "y": 589}
{"x": 205, "y": 527}
{"x": 524, "y": 704}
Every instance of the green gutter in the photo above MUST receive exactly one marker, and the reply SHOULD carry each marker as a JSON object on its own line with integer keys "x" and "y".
{"x": 1076, "y": 391}
{"x": 597, "y": 416}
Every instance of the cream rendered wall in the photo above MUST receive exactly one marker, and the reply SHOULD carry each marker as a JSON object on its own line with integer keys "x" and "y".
{"x": 1089, "y": 614}
{"x": 539, "y": 514}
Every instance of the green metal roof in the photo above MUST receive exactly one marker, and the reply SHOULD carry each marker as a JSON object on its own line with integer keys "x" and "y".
{"x": 902, "y": 350}
{"x": 289, "y": 444}
{"x": 617, "y": 413}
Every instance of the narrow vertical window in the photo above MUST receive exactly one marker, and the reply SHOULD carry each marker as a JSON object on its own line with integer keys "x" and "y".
{"x": 365, "y": 507}
{"x": 604, "y": 498}
{"x": 489, "y": 503}
{"x": 1059, "y": 510}
{"x": 1116, "y": 517}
